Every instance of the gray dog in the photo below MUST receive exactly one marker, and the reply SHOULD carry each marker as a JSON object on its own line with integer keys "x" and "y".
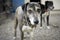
{"x": 27, "y": 18}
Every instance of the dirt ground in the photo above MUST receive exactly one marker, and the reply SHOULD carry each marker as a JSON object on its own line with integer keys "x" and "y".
{"x": 7, "y": 28}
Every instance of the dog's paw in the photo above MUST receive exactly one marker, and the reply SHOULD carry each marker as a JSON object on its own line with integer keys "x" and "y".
{"x": 40, "y": 27}
{"x": 48, "y": 27}
{"x": 14, "y": 37}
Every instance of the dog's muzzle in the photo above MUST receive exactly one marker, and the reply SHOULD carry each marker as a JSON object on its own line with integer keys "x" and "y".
{"x": 29, "y": 23}
{"x": 51, "y": 8}
{"x": 36, "y": 22}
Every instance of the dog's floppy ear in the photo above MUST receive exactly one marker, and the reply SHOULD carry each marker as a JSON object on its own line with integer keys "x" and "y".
{"x": 27, "y": 3}
{"x": 42, "y": 6}
{"x": 24, "y": 7}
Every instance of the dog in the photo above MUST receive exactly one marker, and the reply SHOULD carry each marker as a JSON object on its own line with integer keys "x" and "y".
{"x": 26, "y": 17}
{"x": 44, "y": 10}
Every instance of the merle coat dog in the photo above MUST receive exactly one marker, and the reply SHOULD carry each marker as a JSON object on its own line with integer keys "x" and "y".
{"x": 27, "y": 18}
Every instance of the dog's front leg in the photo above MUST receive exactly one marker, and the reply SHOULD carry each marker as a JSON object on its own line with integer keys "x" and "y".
{"x": 21, "y": 32}
{"x": 48, "y": 20}
{"x": 48, "y": 13}
{"x": 31, "y": 35}
{"x": 41, "y": 19}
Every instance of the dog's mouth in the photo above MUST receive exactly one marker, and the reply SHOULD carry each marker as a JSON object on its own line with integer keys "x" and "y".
{"x": 28, "y": 21}
{"x": 51, "y": 8}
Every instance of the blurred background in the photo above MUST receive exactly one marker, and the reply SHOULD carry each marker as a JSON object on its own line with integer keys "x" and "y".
{"x": 7, "y": 12}
{"x": 8, "y": 7}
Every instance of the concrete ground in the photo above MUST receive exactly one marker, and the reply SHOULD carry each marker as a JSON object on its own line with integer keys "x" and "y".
{"x": 7, "y": 28}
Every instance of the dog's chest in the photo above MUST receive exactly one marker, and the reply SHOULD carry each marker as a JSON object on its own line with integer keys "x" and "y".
{"x": 26, "y": 28}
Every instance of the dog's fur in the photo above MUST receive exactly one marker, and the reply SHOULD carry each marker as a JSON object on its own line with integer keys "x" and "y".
{"x": 22, "y": 16}
{"x": 25, "y": 20}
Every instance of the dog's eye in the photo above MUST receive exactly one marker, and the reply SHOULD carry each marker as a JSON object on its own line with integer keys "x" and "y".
{"x": 30, "y": 11}
{"x": 38, "y": 10}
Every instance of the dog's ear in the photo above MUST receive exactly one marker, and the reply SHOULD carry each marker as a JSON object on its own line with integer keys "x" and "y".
{"x": 27, "y": 4}
{"x": 24, "y": 7}
{"x": 42, "y": 6}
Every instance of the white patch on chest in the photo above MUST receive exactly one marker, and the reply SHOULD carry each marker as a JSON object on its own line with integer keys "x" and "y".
{"x": 26, "y": 28}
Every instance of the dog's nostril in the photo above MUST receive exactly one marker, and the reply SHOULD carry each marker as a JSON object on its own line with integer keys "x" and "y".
{"x": 53, "y": 7}
{"x": 36, "y": 22}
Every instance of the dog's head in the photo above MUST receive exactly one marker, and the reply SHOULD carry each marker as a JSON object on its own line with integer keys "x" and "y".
{"x": 49, "y": 5}
{"x": 33, "y": 11}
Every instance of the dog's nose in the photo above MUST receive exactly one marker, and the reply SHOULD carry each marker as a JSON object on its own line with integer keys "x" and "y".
{"x": 36, "y": 22}
{"x": 53, "y": 7}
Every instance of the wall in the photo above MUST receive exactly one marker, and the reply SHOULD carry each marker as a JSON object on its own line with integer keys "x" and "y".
{"x": 17, "y": 3}
{"x": 56, "y": 3}
{"x": 27, "y": 1}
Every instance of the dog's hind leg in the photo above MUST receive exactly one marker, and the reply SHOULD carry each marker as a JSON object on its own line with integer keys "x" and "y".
{"x": 16, "y": 24}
